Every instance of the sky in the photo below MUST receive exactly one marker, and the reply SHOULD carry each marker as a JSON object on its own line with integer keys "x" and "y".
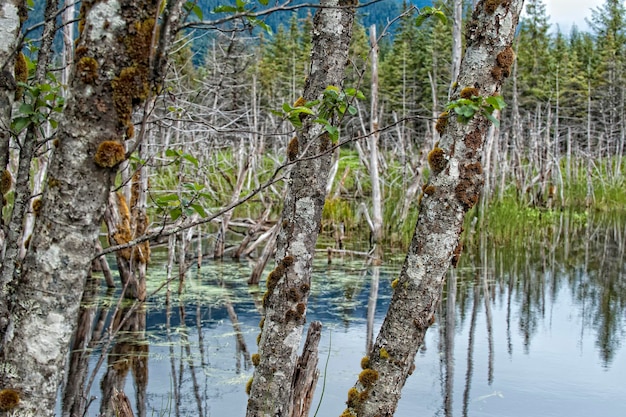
{"x": 566, "y": 12}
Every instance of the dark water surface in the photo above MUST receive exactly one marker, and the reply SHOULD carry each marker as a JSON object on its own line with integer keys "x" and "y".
{"x": 538, "y": 330}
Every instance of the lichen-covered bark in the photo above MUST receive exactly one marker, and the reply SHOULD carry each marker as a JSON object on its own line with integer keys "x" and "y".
{"x": 289, "y": 283}
{"x": 453, "y": 189}
{"x": 12, "y": 14}
{"x": 112, "y": 74}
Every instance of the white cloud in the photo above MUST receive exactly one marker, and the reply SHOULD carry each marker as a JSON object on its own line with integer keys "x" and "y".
{"x": 567, "y": 12}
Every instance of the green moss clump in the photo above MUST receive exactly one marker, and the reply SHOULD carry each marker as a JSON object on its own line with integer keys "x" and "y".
{"x": 367, "y": 377}
{"x": 109, "y": 154}
{"x": 394, "y": 283}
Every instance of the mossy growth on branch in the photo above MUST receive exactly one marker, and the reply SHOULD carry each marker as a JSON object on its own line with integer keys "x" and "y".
{"x": 249, "y": 385}
{"x": 504, "y": 61}
{"x": 383, "y": 353}
{"x": 109, "y": 154}
{"x": 492, "y": 5}
{"x": 469, "y": 92}
{"x": 6, "y": 181}
{"x": 87, "y": 69}
{"x": 367, "y": 377}
{"x": 347, "y": 413}
{"x": 36, "y": 205}
{"x": 20, "y": 73}
{"x": 256, "y": 359}
{"x": 354, "y": 398}
{"x": 437, "y": 160}
{"x": 299, "y": 102}
{"x": 442, "y": 122}
{"x": 130, "y": 88}
{"x": 9, "y": 399}
{"x": 365, "y": 362}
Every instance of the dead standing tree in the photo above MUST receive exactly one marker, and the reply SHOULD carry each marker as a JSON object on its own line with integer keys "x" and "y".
{"x": 119, "y": 59}
{"x": 454, "y": 187}
{"x": 271, "y": 391}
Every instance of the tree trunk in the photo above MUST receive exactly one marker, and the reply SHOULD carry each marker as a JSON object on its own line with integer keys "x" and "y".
{"x": 454, "y": 188}
{"x": 377, "y": 207}
{"x": 289, "y": 283}
{"x": 113, "y": 73}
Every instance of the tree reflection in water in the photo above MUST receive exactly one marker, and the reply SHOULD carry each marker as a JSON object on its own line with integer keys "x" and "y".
{"x": 517, "y": 333}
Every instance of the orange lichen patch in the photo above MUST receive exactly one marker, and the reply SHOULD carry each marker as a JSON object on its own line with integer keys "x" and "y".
{"x": 293, "y": 148}
{"x": 437, "y": 160}
{"x": 301, "y": 308}
{"x": 470, "y": 184}
{"x": 430, "y": 190}
{"x": 20, "y": 74}
{"x": 87, "y": 69}
{"x": 109, "y": 154}
{"x": 129, "y": 88}
{"x": 442, "y": 122}
{"x": 36, "y": 205}
{"x": 469, "y": 92}
{"x": 139, "y": 42}
{"x": 492, "y": 5}
{"x": 6, "y": 181}
{"x": 9, "y": 399}
{"x": 505, "y": 60}
{"x": 367, "y": 377}
{"x": 474, "y": 140}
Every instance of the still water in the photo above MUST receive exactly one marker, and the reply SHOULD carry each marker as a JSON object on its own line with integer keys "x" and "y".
{"x": 532, "y": 328}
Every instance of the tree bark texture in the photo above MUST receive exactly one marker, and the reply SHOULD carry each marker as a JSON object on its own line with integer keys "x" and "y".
{"x": 289, "y": 283}
{"x": 12, "y": 14}
{"x": 454, "y": 187}
{"x": 111, "y": 75}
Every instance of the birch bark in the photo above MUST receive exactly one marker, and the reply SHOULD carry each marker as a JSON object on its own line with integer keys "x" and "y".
{"x": 289, "y": 283}
{"x": 113, "y": 73}
{"x": 454, "y": 187}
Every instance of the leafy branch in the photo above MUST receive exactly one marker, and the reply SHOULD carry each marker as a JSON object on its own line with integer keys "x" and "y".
{"x": 466, "y": 108}
{"x": 335, "y": 102}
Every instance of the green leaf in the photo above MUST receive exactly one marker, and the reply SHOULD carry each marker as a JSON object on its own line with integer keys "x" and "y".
{"x": 26, "y": 108}
{"x": 192, "y": 7}
{"x": 199, "y": 209}
{"x": 497, "y": 102}
{"x": 53, "y": 123}
{"x": 352, "y": 110}
{"x": 175, "y": 213}
{"x": 287, "y": 108}
{"x": 19, "y": 123}
{"x": 492, "y": 119}
{"x": 225, "y": 9}
{"x": 333, "y": 132}
{"x": 191, "y": 159}
{"x": 165, "y": 200}
{"x": 171, "y": 153}
{"x": 441, "y": 17}
{"x": 264, "y": 2}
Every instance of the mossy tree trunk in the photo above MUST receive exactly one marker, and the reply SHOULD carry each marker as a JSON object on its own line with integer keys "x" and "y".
{"x": 454, "y": 187}
{"x": 118, "y": 64}
{"x": 289, "y": 283}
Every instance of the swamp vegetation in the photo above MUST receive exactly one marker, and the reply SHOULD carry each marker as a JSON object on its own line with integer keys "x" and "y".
{"x": 178, "y": 208}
